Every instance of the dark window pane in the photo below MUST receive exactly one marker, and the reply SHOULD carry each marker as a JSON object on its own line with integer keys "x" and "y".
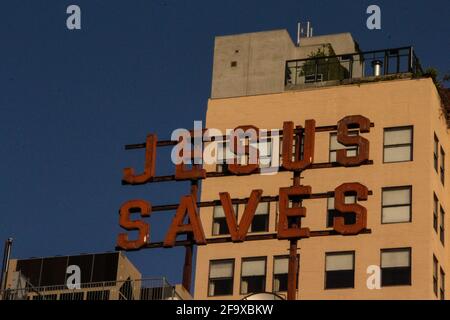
{"x": 395, "y": 276}
{"x": 282, "y": 280}
{"x": 53, "y": 271}
{"x": 105, "y": 267}
{"x": 31, "y": 269}
{"x": 348, "y": 218}
{"x": 84, "y": 262}
{"x": 223, "y": 227}
{"x": 340, "y": 279}
{"x": 260, "y": 223}
{"x": 255, "y": 284}
{"x": 222, "y": 287}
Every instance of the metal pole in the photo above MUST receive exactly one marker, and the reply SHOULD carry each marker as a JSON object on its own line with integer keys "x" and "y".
{"x": 292, "y": 270}
{"x": 5, "y": 265}
{"x": 293, "y": 260}
{"x": 187, "y": 267}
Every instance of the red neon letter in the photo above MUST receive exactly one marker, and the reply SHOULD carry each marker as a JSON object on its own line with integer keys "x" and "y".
{"x": 359, "y": 211}
{"x": 344, "y": 138}
{"x": 239, "y": 232}
{"x": 308, "y": 146}
{"x": 286, "y": 231}
{"x": 187, "y": 204}
{"x": 144, "y": 228}
{"x": 149, "y": 168}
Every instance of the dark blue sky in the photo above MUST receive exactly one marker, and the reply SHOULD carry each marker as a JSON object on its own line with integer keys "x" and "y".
{"x": 70, "y": 100}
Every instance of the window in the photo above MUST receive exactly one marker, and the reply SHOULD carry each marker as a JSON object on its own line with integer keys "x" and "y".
{"x": 435, "y": 212}
{"x": 339, "y": 270}
{"x": 220, "y": 226}
{"x": 265, "y": 152}
{"x": 442, "y": 227}
{"x": 253, "y": 275}
{"x": 398, "y": 145}
{"x": 332, "y": 213}
{"x": 442, "y": 285}
{"x": 352, "y": 151}
{"x": 221, "y": 278}
{"x": 280, "y": 273}
{"x": 395, "y": 267}
{"x": 442, "y": 166}
{"x": 436, "y": 153}
{"x": 396, "y": 205}
{"x": 224, "y": 155}
{"x": 435, "y": 276}
{"x": 260, "y": 221}
{"x": 302, "y": 143}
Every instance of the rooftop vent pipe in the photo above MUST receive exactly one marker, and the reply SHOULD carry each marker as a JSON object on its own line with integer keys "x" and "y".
{"x": 377, "y": 64}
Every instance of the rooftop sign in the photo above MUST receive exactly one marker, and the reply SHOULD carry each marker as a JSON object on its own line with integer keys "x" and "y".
{"x": 194, "y": 148}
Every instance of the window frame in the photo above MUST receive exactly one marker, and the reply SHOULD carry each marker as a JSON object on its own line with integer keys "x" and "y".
{"x": 442, "y": 166}
{"x": 273, "y": 271}
{"x": 400, "y": 205}
{"x": 411, "y": 144}
{"x": 436, "y": 153}
{"x": 410, "y": 266}
{"x": 236, "y": 212}
{"x": 225, "y": 146}
{"x": 262, "y": 258}
{"x": 232, "y": 260}
{"x": 442, "y": 225}
{"x": 435, "y": 275}
{"x": 351, "y": 148}
{"x": 435, "y": 212}
{"x": 250, "y": 230}
{"x": 442, "y": 284}
{"x": 327, "y": 224}
{"x": 352, "y": 252}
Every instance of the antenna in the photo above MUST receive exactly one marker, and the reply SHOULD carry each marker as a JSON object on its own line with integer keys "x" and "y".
{"x": 301, "y": 32}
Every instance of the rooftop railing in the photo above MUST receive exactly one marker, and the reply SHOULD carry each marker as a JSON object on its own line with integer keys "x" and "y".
{"x": 337, "y": 68}
{"x": 140, "y": 289}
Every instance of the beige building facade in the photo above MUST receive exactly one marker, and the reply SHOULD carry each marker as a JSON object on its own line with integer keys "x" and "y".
{"x": 408, "y": 180}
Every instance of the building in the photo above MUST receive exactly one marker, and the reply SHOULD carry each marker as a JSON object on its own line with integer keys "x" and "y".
{"x": 264, "y": 79}
{"x": 103, "y": 276}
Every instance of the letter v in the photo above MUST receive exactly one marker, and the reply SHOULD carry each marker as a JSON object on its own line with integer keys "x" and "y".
{"x": 239, "y": 232}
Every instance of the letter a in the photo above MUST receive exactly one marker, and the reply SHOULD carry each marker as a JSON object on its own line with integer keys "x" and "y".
{"x": 194, "y": 226}
{"x": 74, "y": 280}
{"x": 74, "y": 20}
{"x": 374, "y": 279}
{"x": 374, "y": 20}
